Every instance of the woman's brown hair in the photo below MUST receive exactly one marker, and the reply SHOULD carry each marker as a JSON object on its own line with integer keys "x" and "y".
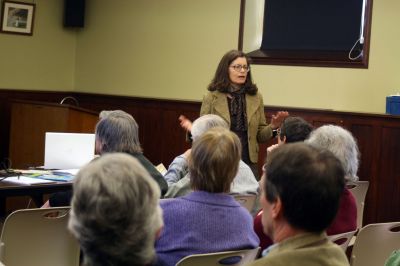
{"x": 221, "y": 81}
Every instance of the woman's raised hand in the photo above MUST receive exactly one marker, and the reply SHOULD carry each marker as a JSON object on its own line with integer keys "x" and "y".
{"x": 278, "y": 118}
{"x": 185, "y": 123}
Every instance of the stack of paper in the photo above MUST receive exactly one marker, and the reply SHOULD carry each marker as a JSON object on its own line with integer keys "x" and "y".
{"x": 27, "y": 180}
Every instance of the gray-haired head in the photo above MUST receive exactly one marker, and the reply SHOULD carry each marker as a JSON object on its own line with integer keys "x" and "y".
{"x": 206, "y": 122}
{"x": 106, "y": 113}
{"x": 117, "y": 131}
{"x": 341, "y": 143}
{"x": 115, "y": 213}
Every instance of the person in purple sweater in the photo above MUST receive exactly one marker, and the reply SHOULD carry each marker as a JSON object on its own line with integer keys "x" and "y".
{"x": 208, "y": 219}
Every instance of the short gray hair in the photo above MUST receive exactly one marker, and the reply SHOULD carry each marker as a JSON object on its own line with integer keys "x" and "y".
{"x": 206, "y": 122}
{"x": 107, "y": 113}
{"x": 118, "y": 131}
{"x": 341, "y": 143}
{"x": 115, "y": 212}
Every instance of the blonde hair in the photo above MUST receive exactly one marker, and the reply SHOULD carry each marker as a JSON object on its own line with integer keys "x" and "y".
{"x": 214, "y": 160}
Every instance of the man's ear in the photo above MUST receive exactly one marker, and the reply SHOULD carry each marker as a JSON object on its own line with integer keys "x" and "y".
{"x": 276, "y": 209}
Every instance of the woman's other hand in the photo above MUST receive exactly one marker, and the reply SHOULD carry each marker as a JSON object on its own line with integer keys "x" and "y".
{"x": 185, "y": 123}
{"x": 278, "y": 118}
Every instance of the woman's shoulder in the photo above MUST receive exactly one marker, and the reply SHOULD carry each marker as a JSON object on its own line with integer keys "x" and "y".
{"x": 257, "y": 95}
{"x": 214, "y": 93}
{"x": 256, "y": 98}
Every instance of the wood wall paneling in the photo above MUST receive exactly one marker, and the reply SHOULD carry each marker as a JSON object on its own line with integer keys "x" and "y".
{"x": 27, "y": 132}
{"x": 365, "y": 136}
{"x": 378, "y": 137}
{"x": 31, "y": 120}
{"x": 6, "y": 97}
{"x": 388, "y": 183}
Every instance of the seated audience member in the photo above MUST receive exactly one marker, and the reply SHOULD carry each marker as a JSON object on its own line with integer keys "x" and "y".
{"x": 342, "y": 144}
{"x": 116, "y": 131}
{"x": 301, "y": 189}
{"x": 208, "y": 219}
{"x": 293, "y": 129}
{"x": 115, "y": 213}
{"x": 177, "y": 175}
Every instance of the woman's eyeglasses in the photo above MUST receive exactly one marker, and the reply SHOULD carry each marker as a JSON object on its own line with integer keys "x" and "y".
{"x": 239, "y": 68}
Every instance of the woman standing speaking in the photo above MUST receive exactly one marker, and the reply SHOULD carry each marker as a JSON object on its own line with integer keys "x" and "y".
{"x": 233, "y": 96}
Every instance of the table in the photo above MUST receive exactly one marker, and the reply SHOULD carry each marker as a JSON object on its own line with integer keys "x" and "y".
{"x": 36, "y": 192}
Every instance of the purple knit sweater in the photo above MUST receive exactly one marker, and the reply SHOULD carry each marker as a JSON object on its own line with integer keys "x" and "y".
{"x": 203, "y": 222}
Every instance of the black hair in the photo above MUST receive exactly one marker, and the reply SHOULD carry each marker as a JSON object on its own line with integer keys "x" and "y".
{"x": 295, "y": 129}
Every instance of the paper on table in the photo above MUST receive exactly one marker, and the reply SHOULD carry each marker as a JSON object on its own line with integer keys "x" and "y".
{"x": 27, "y": 180}
{"x": 161, "y": 168}
{"x": 66, "y": 171}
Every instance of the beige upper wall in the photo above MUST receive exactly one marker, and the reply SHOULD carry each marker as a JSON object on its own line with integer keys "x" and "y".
{"x": 170, "y": 49}
{"x": 340, "y": 88}
{"x": 44, "y": 61}
{"x": 154, "y": 48}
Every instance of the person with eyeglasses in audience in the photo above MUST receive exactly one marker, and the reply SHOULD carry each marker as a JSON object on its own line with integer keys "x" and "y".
{"x": 208, "y": 219}
{"x": 233, "y": 96}
{"x": 293, "y": 129}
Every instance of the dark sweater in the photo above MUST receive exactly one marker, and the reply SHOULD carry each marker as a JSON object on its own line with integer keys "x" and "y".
{"x": 64, "y": 198}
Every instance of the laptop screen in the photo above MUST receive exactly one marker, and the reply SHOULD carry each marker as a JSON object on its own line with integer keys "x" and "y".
{"x": 68, "y": 150}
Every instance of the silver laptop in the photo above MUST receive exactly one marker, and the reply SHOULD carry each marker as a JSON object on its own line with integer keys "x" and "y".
{"x": 68, "y": 150}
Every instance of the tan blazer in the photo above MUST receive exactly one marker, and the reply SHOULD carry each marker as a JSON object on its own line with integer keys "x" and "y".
{"x": 216, "y": 102}
{"x": 308, "y": 249}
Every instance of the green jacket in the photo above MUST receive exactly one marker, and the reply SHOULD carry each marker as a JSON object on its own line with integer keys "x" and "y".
{"x": 394, "y": 259}
{"x": 304, "y": 250}
{"x": 216, "y": 102}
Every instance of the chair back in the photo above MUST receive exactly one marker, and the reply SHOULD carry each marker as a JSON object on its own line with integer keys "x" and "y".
{"x": 246, "y": 201}
{"x": 375, "y": 243}
{"x": 231, "y": 258}
{"x": 342, "y": 239}
{"x": 359, "y": 190}
{"x": 39, "y": 237}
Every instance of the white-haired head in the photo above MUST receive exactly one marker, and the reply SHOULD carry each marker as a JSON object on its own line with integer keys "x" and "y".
{"x": 341, "y": 143}
{"x": 206, "y": 122}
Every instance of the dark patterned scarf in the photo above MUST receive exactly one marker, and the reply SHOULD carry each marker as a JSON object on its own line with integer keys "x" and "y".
{"x": 237, "y": 109}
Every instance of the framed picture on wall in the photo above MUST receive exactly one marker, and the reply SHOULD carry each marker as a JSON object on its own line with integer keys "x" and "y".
{"x": 17, "y": 17}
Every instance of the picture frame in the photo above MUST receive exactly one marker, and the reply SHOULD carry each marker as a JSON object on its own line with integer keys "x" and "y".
{"x": 17, "y": 17}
